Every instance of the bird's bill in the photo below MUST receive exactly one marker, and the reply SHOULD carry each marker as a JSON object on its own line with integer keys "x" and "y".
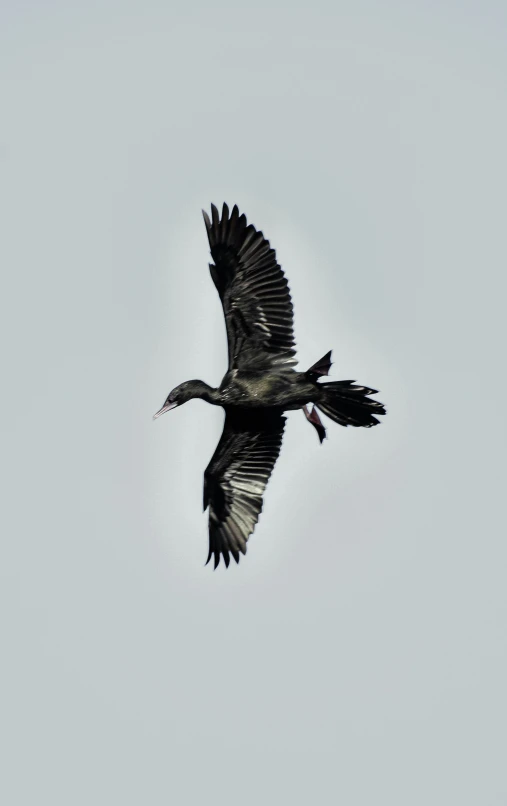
{"x": 165, "y": 407}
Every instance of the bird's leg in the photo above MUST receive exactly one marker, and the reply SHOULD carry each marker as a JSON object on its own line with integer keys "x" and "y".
{"x": 315, "y": 420}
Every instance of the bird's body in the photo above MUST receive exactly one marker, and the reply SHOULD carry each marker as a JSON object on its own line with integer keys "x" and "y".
{"x": 283, "y": 389}
{"x": 260, "y": 383}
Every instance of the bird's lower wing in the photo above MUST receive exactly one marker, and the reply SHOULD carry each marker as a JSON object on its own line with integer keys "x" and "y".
{"x": 235, "y": 480}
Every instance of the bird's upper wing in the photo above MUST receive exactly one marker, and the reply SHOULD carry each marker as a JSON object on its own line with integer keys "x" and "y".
{"x": 236, "y": 477}
{"x": 254, "y": 292}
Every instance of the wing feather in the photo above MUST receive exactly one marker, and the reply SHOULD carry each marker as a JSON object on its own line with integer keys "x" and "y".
{"x": 236, "y": 478}
{"x": 254, "y": 293}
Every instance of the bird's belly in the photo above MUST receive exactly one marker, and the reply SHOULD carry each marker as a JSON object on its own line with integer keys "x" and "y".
{"x": 252, "y": 395}
{"x": 261, "y": 391}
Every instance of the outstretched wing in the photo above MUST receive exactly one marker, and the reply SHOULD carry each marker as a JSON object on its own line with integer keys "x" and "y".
{"x": 254, "y": 292}
{"x": 236, "y": 477}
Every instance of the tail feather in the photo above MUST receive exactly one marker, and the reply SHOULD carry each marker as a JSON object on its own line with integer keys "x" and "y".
{"x": 348, "y": 404}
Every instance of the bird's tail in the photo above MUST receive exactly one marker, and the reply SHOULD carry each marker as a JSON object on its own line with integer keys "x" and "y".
{"x": 348, "y": 404}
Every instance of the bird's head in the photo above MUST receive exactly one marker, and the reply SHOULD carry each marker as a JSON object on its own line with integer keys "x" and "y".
{"x": 185, "y": 391}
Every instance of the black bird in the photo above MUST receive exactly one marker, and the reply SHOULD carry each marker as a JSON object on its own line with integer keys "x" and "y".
{"x": 260, "y": 383}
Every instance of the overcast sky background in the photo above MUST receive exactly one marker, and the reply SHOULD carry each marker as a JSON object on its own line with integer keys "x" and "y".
{"x": 357, "y": 655}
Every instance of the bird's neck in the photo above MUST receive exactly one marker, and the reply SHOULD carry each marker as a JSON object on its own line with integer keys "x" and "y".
{"x": 210, "y": 395}
{"x": 205, "y": 392}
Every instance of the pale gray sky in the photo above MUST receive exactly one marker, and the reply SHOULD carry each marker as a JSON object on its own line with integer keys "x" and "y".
{"x": 358, "y": 654}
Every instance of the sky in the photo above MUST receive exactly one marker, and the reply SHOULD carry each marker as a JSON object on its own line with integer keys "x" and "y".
{"x": 358, "y": 653}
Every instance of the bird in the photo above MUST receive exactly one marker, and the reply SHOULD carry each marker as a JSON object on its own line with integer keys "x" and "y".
{"x": 260, "y": 384}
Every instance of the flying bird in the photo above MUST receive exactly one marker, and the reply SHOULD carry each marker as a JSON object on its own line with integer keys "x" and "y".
{"x": 260, "y": 383}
